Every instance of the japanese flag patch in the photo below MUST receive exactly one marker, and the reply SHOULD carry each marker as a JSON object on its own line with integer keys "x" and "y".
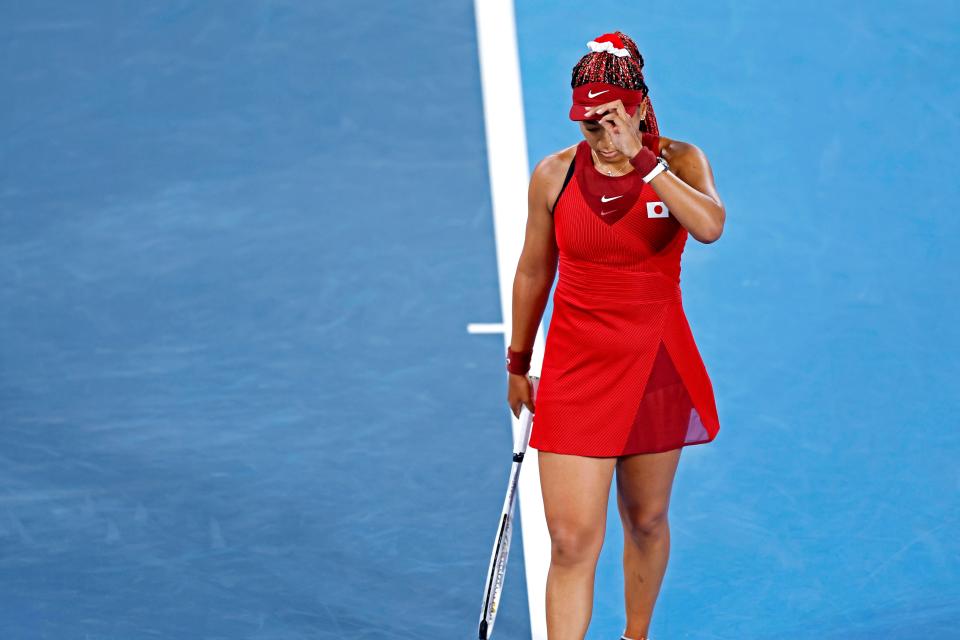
{"x": 657, "y": 209}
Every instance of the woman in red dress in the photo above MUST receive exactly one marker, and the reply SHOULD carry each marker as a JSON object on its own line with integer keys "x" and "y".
{"x": 623, "y": 385}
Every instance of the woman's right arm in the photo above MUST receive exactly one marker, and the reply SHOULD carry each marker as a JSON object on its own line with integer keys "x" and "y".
{"x": 536, "y": 270}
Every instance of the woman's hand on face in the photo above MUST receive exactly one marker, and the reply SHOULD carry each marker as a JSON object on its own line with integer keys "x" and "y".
{"x": 624, "y": 129}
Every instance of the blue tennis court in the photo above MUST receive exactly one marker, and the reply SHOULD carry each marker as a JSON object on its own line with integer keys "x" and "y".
{"x": 251, "y": 339}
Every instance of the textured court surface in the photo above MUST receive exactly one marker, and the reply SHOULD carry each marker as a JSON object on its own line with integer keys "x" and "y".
{"x": 240, "y": 245}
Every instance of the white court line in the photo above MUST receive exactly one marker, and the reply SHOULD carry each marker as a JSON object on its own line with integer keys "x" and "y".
{"x": 485, "y": 327}
{"x": 509, "y": 178}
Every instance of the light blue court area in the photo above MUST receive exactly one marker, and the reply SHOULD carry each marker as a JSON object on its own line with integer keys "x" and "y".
{"x": 828, "y": 505}
{"x": 241, "y": 245}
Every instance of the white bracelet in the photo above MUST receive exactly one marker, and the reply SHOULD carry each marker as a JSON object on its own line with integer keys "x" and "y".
{"x": 661, "y": 166}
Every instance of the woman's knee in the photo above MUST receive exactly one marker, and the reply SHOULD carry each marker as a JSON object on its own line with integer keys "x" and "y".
{"x": 643, "y": 522}
{"x": 573, "y": 543}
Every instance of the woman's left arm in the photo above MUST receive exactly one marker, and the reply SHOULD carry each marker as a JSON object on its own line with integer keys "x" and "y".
{"x": 689, "y": 192}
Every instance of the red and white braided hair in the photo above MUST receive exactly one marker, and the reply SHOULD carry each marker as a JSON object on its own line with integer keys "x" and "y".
{"x": 615, "y": 59}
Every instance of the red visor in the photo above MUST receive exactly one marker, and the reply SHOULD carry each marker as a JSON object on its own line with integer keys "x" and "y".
{"x": 595, "y": 93}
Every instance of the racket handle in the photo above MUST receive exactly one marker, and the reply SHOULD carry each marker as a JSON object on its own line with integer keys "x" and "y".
{"x": 526, "y": 427}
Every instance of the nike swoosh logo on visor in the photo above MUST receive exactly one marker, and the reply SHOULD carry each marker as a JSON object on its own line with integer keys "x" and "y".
{"x": 591, "y": 94}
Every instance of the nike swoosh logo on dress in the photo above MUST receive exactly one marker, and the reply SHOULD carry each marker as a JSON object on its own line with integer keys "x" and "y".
{"x": 606, "y": 199}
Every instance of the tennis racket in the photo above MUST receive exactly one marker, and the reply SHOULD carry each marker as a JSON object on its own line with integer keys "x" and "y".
{"x": 501, "y": 545}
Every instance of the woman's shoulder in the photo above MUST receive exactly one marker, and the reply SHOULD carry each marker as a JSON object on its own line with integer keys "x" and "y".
{"x": 550, "y": 172}
{"x": 674, "y": 150}
{"x": 557, "y": 162}
{"x": 689, "y": 163}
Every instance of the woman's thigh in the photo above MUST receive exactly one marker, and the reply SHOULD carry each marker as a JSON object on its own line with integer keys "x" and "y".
{"x": 575, "y": 494}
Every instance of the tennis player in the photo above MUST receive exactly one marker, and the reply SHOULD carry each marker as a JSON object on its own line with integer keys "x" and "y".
{"x": 623, "y": 385}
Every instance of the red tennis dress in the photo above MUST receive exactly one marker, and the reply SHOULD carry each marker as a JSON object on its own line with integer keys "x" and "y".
{"x": 621, "y": 371}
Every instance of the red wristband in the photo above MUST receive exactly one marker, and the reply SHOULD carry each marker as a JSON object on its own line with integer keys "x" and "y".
{"x": 518, "y": 362}
{"x": 645, "y": 161}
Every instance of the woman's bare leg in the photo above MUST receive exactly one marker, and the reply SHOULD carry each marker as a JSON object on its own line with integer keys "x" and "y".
{"x": 644, "y": 482}
{"x": 575, "y": 494}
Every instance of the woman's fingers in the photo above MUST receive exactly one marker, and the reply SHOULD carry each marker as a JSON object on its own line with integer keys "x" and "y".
{"x": 623, "y": 132}
{"x": 603, "y": 108}
{"x": 520, "y": 395}
{"x": 615, "y": 112}
{"x": 615, "y": 120}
